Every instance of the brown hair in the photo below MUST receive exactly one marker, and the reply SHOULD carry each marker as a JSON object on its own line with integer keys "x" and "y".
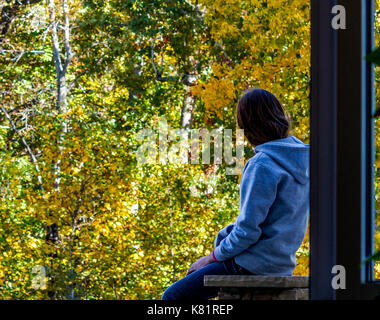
{"x": 262, "y": 117}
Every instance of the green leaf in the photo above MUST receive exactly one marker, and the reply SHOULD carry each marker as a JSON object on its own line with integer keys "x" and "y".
{"x": 377, "y": 112}
{"x": 374, "y": 257}
{"x": 374, "y": 57}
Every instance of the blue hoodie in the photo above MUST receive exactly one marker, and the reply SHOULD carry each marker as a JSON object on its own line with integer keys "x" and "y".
{"x": 274, "y": 210}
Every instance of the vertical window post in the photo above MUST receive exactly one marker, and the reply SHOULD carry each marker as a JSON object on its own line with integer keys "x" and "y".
{"x": 323, "y": 153}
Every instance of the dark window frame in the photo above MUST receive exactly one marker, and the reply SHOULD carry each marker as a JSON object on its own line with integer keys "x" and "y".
{"x": 342, "y": 153}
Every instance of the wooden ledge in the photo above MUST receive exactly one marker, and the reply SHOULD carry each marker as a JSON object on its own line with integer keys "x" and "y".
{"x": 248, "y": 281}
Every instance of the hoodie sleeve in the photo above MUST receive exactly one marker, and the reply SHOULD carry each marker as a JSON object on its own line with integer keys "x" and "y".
{"x": 258, "y": 189}
{"x": 222, "y": 234}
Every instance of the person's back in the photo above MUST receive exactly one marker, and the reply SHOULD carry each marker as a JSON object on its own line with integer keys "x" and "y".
{"x": 274, "y": 203}
{"x": 274, "y": 209}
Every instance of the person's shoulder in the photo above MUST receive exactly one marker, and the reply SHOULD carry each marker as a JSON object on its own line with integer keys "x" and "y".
{"x": 259, "y": 160}
{"x": 260, "y": 168}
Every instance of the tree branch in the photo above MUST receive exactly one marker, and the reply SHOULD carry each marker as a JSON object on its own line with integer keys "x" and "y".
{"x": 199, "y": 17}
{"x": 54, "y": 39}
{"x": 82, "y": 73}
{"x": 158, "y": 73}
{"x": 22, "y": 106}
{"x": 9, "y": 13}
{"x": 68, "y": 51}
{"x": 28, "y": 149}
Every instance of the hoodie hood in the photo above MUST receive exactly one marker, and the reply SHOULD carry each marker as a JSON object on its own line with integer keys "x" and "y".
{"x": 291, "y": 154}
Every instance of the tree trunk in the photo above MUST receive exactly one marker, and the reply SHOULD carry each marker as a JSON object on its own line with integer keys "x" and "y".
{"x": 187, "y": 109}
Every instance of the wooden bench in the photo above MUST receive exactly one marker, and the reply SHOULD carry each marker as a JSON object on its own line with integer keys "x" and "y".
{"x": 249, "y": 287}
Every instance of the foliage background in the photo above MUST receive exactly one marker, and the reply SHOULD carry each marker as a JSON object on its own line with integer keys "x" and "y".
{"x": 377, "y": 144}
{"x": 127, "y": 231}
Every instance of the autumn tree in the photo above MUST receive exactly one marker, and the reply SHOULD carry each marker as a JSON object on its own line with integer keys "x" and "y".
{"x": 79, "y": 80}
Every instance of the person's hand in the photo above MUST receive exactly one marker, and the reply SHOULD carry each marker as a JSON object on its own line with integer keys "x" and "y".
{"x": 200, "y": 263}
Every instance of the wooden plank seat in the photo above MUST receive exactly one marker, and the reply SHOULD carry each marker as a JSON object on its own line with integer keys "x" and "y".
{"x": 253, "y": 287}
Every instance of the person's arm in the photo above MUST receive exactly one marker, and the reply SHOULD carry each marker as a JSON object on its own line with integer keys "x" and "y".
{"x": 258, "y": 190}
{"x": 222, "y": 234}
{"x": 210, "y": 258}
